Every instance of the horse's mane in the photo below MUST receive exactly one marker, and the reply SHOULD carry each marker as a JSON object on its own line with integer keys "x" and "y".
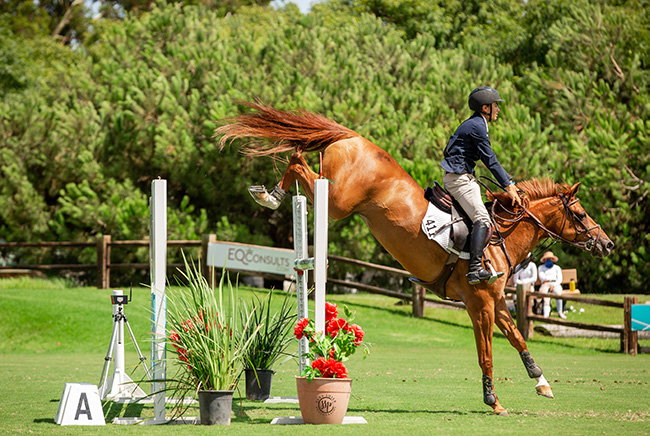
{"x": 535, "y": 189}
{"x": 288, "y": 131}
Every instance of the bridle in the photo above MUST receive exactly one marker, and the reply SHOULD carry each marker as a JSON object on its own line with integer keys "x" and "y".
{"x": 593, "y": 232}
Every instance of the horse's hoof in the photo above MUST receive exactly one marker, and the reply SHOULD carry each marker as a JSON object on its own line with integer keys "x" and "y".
{"x": 264, "y": 198}
{"x": 545, "y": 391}
{"x": 499, "y": 411}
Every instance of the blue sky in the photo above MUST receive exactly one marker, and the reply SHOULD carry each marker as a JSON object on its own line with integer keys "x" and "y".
{"x": 304, "y": 5}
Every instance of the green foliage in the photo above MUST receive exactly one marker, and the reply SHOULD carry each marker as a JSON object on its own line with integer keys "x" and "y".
{"x": 206, "y": 330}
{"x": 83, "y": 135}
{"x": 270, "y": 330}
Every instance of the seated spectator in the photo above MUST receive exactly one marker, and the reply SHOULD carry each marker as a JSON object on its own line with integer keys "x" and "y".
{"x": 550, "y": 275}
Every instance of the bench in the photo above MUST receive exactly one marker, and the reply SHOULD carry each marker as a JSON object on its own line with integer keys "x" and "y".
{"x": 567, "y": 275}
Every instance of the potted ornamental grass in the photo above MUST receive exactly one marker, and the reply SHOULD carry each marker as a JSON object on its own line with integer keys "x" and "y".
{"x": 271, "y": 333}
{"x": 206, "y": 332}
{"x": 324, "y": 387}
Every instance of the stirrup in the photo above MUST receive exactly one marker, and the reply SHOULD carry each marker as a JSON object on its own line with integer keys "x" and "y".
{"x": 271, "y": 199}
{"x": 494, "y": 274}
{"x": 479, "y": 275}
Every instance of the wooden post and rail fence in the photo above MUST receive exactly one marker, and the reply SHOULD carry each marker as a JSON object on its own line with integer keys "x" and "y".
{"x": 526, "y": 317}
{"x": 524, "y": 313}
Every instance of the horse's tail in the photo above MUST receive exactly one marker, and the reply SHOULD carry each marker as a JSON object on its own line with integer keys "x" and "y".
{"x": 288, "y": 131}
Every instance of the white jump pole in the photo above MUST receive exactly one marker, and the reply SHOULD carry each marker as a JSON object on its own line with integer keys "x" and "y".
{"x": 320, "y": 250}
{"x": 158, "y": 262}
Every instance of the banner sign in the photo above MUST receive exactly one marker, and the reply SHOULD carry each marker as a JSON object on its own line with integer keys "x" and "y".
{"x": 640, "y": 317}
{"x": 232, "y": 255}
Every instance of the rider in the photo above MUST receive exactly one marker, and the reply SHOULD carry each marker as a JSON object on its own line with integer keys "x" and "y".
{"x": 469, "y": 143}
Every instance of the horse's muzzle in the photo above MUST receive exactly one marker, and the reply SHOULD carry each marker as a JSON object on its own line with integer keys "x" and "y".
{"x": 603, "y": 247}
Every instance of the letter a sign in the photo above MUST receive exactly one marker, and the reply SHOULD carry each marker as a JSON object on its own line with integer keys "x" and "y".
{"x": 80, "y": 405}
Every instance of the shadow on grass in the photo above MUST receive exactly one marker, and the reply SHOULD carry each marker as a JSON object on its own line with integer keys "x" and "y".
{"x": 549, "y": 341}
{"x": 408, "y": 315}
{"x": 115, "y": 410}
{"x": 242, "y": 415}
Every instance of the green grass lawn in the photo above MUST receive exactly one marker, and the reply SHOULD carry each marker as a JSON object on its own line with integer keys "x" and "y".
{"x": 422, "y": 376}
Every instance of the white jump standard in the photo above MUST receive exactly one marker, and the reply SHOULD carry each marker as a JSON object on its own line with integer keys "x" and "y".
{"x": 158, "y": 262}
{"x": 318, "y": 263}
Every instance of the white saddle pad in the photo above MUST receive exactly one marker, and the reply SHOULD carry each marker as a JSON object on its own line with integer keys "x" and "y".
{"x": 435, "y": 225}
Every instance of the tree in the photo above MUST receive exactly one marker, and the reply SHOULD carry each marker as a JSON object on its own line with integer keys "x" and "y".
{"x": 83, "y": 140}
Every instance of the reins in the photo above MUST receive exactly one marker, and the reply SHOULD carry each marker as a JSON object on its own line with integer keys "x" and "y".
{"x": 523, "y": 212}
{"x": 553, "y": 236}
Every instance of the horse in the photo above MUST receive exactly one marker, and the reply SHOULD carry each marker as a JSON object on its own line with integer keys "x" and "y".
{"x": 367, "y": 181}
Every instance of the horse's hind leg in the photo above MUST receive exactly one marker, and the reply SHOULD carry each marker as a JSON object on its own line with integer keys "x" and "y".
{"x": 298, "y": 169}
{"x": 505, "y": 323}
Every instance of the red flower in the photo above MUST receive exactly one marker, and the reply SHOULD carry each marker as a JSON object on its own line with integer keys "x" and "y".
{"x": 335, "y": 325}
{"x": 330, "y": 368}
{"x": 187, "y": 325}
{"x": 175, "y": 340}
{"x": 358, "y": 334}
{"x": 300, "y": 327}
{"x": 331, "y": 311}
{"x": 182, "y": 354}
{"x": 337, "y": 369}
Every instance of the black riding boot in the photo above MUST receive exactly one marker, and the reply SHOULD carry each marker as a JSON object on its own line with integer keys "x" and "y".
{"x": 477, "y": 244}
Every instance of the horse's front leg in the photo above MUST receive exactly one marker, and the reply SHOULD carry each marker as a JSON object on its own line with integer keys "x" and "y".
{"x": 507, "y": 326}
{"x": 299, "y": 170}
{"x": 481, "y": 313}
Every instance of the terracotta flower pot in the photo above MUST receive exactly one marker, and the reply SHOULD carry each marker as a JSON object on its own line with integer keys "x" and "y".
{"x": 323, "y": 400}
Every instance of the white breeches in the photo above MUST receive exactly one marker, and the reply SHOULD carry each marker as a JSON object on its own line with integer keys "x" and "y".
{"x": 555, "y": 288}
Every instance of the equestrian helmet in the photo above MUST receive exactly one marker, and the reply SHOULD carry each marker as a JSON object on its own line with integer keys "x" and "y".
{"x": 482, "y": 95}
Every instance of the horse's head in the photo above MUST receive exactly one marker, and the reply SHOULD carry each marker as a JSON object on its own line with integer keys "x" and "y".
{"x": 578, "y": 228}
{"x": 556, "y": 210}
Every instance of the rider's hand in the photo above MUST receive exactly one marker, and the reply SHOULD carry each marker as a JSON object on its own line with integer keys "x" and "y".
{"x": 512, "y": 191}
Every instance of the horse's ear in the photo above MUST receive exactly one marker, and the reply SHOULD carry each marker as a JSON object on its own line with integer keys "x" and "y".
{"x": 574, "y": 190}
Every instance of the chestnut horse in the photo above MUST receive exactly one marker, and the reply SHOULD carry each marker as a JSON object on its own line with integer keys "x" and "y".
{"x": 366, "y": 180}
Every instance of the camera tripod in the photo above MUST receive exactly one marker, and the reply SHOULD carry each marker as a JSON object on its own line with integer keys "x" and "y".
{"x": 120, "y": 387}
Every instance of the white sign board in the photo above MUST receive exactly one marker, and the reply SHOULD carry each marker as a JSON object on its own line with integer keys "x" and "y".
{"x": 80, "y": 405}
{"x": 244, "y": 257}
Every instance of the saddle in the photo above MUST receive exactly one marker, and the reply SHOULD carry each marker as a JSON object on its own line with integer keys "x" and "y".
{"x": 461, "y": 227}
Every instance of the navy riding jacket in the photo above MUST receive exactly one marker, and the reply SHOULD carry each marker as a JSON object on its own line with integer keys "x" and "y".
{"x": 469, "y": 143}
